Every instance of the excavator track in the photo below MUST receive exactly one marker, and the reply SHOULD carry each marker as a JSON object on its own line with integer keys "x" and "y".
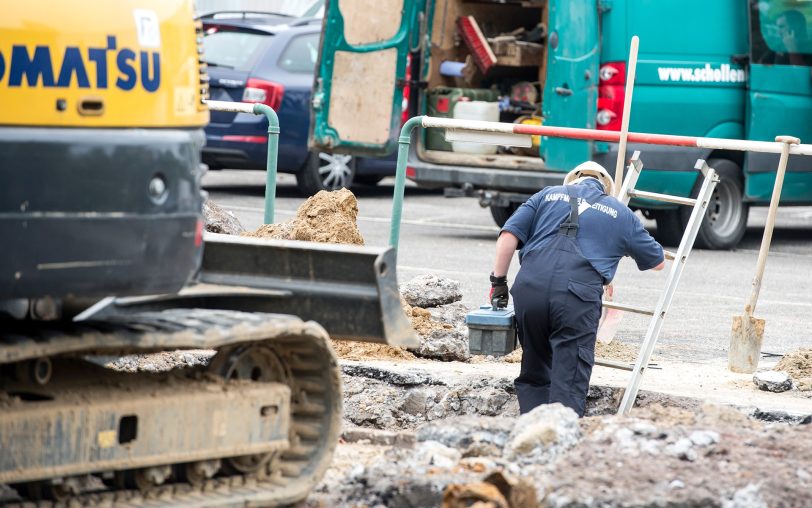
{"x": 254, "y": 351}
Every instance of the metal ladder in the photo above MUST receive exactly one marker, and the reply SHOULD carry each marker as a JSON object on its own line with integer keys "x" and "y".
{"x": 658, "y": 313}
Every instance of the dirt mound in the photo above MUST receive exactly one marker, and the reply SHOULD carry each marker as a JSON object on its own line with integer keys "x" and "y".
{"x": 797, "y": 364}
{"x": 327, "y": 217}
{"x": 514, "y": 357}
{"x": 422, "y": 323}
{"x": 351, "y": 350}
{"x": 616, "y": 350}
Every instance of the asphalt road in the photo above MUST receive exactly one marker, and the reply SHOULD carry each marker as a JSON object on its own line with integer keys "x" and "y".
{"x": 455, "y": 238}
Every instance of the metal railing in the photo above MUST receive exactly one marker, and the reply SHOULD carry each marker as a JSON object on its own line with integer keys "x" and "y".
{"x": 518, "y": 131}
{"x": 273, "y": 145}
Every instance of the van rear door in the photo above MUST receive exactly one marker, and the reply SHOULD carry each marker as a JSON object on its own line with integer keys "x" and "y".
{"x": 358, "y": 87}
{"x": 780, "y": 95}
{"x": 570, "y": 89}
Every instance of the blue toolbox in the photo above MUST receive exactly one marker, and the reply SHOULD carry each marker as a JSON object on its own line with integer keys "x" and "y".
{"x": 491, "y": 332}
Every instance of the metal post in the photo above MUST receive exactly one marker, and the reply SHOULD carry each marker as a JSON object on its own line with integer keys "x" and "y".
{"x": 400, "y": 177}
{"x": 273, "y": 152}
{"x": 273, "y": 144}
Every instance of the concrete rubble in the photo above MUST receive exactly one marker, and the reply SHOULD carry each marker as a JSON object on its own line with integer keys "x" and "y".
{"x": 662, "y": 456}
{"x": 383, "y": 399}
{"x": 429, "y": 290}
{"x": 417, "y": 438}
{"x": 219, "y": 220}
{"x": 773, "y": 381}
{"x": 542, "y": 435}
{"x": 432, "y": 305}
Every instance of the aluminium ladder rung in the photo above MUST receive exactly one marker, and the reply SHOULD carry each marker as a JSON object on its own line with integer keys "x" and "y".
{"x": 614, "y": 364}
{"x": 627, "y": 308}
{"x": 667, "y": 198}
{"x": 669, "y": 255}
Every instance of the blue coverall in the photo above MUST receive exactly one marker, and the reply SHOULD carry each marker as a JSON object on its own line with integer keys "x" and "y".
{"x": 571, "y": 239}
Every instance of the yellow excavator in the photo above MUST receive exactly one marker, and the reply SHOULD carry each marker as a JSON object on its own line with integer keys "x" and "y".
{"x": 103, "y": 254}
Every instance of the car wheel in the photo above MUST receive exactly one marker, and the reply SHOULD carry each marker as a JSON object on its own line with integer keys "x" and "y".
{"x": 670, "y": 227}
{"x": 725, "y": 221}
{"x": 326, "y": 171}
{"x": 501, "y": 214}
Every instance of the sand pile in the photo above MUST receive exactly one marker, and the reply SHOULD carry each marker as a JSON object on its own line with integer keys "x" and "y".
{"x": 798, "y": 364}
{"x": 422, "y": 322}
{"x": 327, "y": 217}
{"x": 352, "y": 350}
{"x": 616, "y": 350}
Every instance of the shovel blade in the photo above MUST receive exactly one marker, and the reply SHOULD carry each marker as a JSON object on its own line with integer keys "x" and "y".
{"x": 608, "y": 325}
{"x": 746, "y": 337}
{"x": 610, "y": 318}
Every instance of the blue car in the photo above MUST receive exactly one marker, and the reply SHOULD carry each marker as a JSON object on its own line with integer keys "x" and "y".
{"x": 271, "y": 59}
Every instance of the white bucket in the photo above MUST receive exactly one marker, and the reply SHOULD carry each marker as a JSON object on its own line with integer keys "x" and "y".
{"x": 475, "y": 110}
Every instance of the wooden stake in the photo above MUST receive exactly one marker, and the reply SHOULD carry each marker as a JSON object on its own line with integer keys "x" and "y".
{"x": 627, "y": 109}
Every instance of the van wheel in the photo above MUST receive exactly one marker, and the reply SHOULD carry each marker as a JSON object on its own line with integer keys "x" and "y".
{"x": 501, "y": 214}
{"x": 670, "y": 227}
{"x": 325, "y": 171}
{"x": 725, "y": 221}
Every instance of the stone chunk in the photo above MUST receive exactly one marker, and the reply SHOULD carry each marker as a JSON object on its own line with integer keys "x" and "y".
{"x": 772, "y": 381}
{"x": 443, "y": 344}
{"x": 452, "y": 314}
{"x": 439, "y": 340}
{"x": 219, "y": 220}
{"x": 682, "y": 449}
{"x": 431, "y": 291}
{"x": 432, "y": 453}
{"x": 704, "y": 437}
{"x": 543, "y": 434}
{"x": 473, "y": 436}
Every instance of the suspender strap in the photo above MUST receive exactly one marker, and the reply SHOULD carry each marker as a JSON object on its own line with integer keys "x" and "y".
{"x": 570, "y": 226}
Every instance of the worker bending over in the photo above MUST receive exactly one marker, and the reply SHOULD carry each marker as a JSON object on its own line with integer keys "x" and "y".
{"x": 570, "y": 239}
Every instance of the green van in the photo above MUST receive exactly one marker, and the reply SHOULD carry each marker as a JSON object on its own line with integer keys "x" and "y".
{"x": 725, "y": 68}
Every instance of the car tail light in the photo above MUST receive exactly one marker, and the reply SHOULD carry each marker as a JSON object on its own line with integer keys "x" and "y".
{"x": 264, "y": 92}
{"x": 610, "y": 96}
{"x": 199, "y": 233}
{"x": 404, "y": 111}
{"x": 246, "y": 139}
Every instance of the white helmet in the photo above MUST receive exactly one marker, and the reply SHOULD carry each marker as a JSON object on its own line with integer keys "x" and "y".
{"x": 590, "y": 169}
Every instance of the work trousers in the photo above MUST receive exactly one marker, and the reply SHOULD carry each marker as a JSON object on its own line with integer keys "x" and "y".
{"x": 557, "y": 297}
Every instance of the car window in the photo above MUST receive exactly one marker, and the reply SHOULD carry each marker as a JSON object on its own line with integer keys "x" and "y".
{"x": 780, "y": 32}
{"x": 301, "y": 53}
{"x": 236, "y": 50}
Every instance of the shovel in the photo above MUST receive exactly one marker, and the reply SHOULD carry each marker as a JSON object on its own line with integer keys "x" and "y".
{"x": 610, "y": 318}
{"x": 747, "y": 332}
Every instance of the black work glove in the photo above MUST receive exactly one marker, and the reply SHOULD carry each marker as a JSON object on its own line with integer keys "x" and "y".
{"x": 499, "y": 292}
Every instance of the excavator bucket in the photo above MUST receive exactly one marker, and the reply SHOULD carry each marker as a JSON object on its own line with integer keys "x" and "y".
{"x": 350, "y": 290}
